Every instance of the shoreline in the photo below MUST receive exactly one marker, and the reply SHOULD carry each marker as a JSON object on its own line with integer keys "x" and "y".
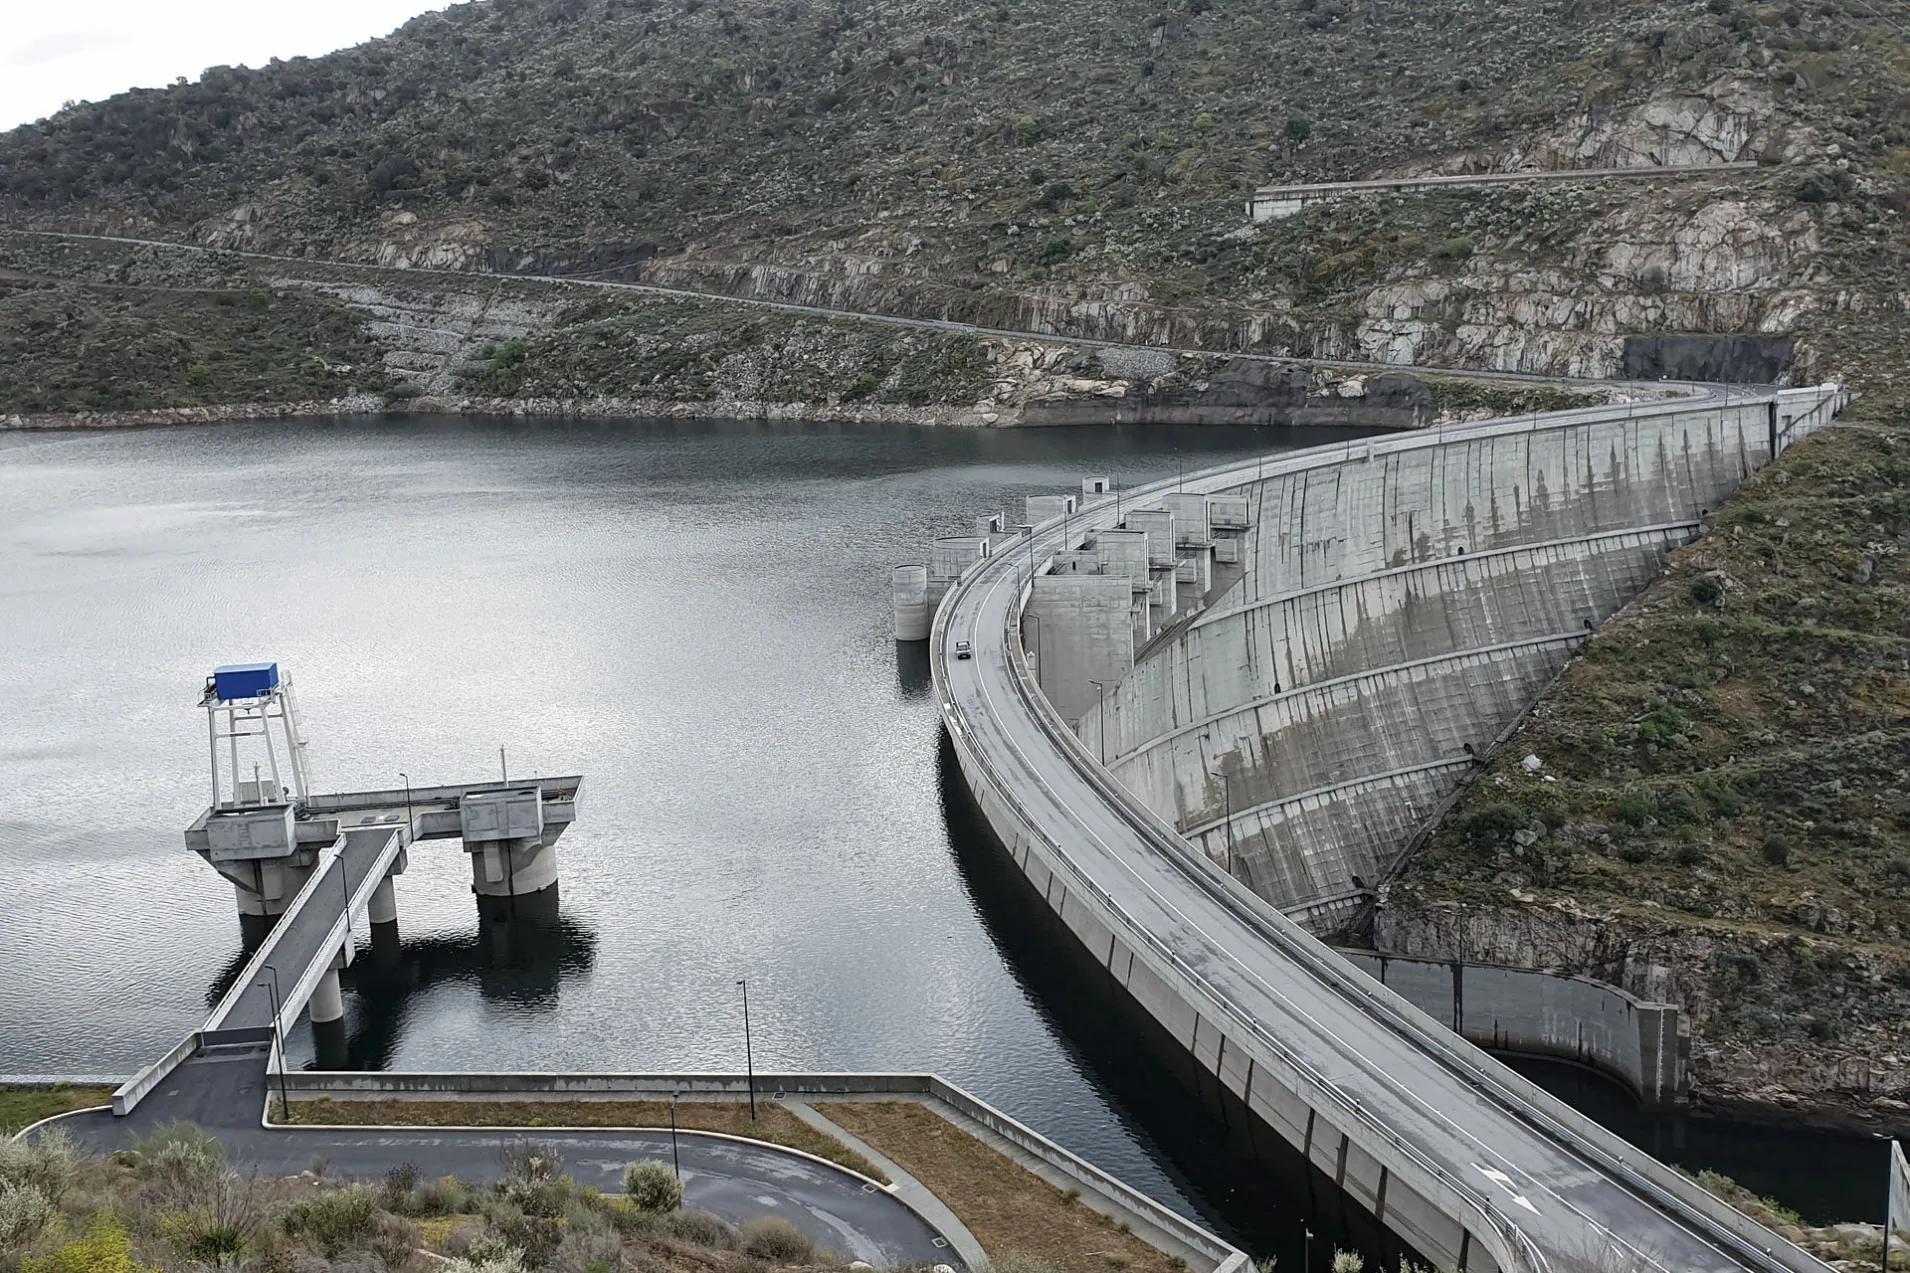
{"x": 374, "y": 407}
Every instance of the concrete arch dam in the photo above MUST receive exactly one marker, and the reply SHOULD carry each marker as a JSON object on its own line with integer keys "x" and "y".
{"x": 1208, "y": 710}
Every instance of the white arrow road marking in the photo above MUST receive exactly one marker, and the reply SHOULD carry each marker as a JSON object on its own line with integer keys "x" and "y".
{"x": 1505, "y": 1182}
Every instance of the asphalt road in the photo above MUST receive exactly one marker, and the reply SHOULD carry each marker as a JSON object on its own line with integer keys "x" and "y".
{"x": 886, "y": 320}
{"x": 225, "y": 1091}
{"x": 1438, "y": 1096}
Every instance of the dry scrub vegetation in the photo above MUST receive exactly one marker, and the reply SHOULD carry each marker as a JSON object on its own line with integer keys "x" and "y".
{"x": 172, "y": 1204}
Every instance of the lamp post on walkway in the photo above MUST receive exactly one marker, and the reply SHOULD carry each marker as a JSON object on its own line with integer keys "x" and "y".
{"x": 675, "y": 1162}
{"x": 410, "y": 831}
{"x": 749, "y": 1050}
{"x": 278, "y": 1041}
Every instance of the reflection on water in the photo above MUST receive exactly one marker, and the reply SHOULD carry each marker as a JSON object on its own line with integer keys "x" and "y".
{"x": 517, "y": 964}
{"x": 1826, "y": 1177}
{"x": 911, "y": 669}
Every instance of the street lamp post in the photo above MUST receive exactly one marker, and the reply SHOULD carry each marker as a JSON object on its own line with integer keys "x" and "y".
{"x": 410, "y": 830}
{"x": 278, "y": 1040}
{"x": 1101, "y": 716}
{"x": 749, "y": 1050}
{"x": 675, "y": 1162}
{"x": 1227, "y": 799}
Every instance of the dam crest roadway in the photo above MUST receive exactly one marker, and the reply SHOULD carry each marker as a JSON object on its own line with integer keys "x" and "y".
{"x": 1470, "y": 1164}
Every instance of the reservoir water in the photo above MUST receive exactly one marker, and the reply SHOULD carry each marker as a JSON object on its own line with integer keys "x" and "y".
{"x": 696, "y": 616}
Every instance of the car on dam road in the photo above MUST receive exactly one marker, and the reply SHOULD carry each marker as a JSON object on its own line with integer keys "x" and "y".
{"x": 963, "y": 650}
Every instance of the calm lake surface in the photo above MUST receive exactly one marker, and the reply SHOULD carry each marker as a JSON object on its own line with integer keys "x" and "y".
{"x": 695, "y": 616}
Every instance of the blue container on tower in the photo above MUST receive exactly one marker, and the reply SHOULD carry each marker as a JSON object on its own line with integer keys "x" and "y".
{"x": 245, "y": 680}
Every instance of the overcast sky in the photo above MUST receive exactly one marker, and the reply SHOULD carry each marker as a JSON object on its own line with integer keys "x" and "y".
{"x": 55, "y": 50}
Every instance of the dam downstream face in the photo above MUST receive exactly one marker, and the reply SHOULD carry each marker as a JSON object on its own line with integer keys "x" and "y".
{"x": 696, "y": 616}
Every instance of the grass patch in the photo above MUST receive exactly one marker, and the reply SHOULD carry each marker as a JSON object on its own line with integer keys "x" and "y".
{"x": 773, "y": 1123}
{"x": 1011, "y": 1211}
{"x": 23, "y": 1106}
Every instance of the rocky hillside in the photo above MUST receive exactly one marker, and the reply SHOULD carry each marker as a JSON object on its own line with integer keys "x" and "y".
{"x": 1719, "y": 809}
{"x": 104, "y": 333}
{"x": 1072, "y": 166}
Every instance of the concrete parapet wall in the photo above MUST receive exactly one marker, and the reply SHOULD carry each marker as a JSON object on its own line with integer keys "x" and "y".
{"x": 1641, "y": 1044}
{"x": 135, "y": 1089}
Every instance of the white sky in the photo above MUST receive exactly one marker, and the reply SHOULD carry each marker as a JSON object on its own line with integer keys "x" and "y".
{"x": 85, "y": 50}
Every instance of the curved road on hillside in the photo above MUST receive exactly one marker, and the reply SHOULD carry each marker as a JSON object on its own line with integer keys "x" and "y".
{"x": 1444, "y": 1101}
{"x": 885, "y": 320}
{"x": 225, "y": 1091}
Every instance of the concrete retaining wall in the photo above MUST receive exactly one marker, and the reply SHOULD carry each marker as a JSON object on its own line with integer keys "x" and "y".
{"x": 1643, "y": 1045}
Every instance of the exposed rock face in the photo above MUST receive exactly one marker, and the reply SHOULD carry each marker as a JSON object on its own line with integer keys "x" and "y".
{"x": 431, "y": 334}
{"x": 1728, "y": 121}
{"x": 1727, "y": 266}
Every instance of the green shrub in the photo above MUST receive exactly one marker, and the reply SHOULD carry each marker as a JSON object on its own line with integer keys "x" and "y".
{"x": 652, "y": 1187}
{"x": 489, "y": 1257}
{"x": 534, "y": 1180}
{"x": 776, "y": 1239}
{"x": 1634, "y": 808}
{"x": 537, "y": 1237}
{"x": 1491, "y": 825}
{"x": 200, "y": 1235}
{"x": 45, "y": 1164}
{"x": 1706, "y": 590}
{"x": 24, "y": 1211}
{"x": 590, "y": 1243}
{"x": 700, "y": 1228}
{"x": 340, "y": 1220}
{"x": 181, "y": 1158}
{"x": 445, "y": 1196}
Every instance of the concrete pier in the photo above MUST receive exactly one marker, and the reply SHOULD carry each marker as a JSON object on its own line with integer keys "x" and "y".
{"x": 908, "y": 590}
{"x": 328, "y": 999}
{"x": 512, "y": 878}
{"x": 268, "y": 890}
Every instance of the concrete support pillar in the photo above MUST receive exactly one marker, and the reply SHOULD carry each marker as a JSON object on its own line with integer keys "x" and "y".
{"x": 384, "y": 903}
{"x": 328, "y": 1001}
{"x": 515, "y": 877}
{"x": 383, "y": 912}
{"x": 263, "y": 890}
